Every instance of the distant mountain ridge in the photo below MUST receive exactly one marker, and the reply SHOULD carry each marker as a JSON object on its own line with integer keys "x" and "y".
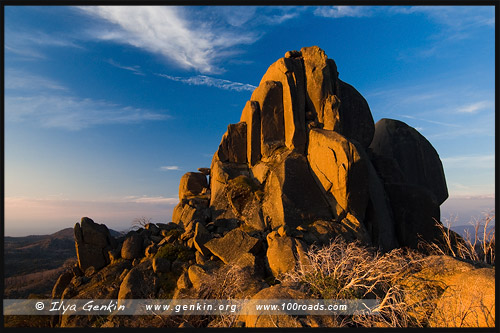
{"x": 35, "y": 253}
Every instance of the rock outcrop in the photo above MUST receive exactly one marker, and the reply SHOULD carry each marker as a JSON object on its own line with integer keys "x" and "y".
{"x": 92, "y": 241}
{"x": 306, "y": 149}
{"x": 305, "y": 165}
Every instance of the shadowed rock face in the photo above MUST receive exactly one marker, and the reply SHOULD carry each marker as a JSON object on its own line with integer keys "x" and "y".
{"x": 411, "y": 154}
{"x": 309, "y": 149}
{"x": 92, "y": 242}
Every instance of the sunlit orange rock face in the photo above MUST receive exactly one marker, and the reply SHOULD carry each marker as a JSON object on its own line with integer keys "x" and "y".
{"x": 306, "y": 141}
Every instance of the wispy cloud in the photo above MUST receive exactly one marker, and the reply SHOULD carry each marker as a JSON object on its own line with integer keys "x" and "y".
{"x": 134, "y": 69}
{"x": 343, "y": 11}
{"x": 169, "y": 32}
{"x": 30, "y": 45}
{"x": 431, "y": 121}
{"x": 203, "y": 80}
{"x": 456, "y": 23}
{"x": 470, "y": 161}
{"x": 150, "y": 200}
{"x": 73, "y": 113}
{"x": 252, "y": 16}
{"x": 458, "y": 18}
{"x": 474, "y": 107}
{"x": 47, "y": 103}
{"x": 434, "y": 106}
{"x": 22, "y": 81}
{"x": 169, "y": 168}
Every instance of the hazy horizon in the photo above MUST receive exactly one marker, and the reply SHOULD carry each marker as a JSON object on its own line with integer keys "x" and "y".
{"x": 107, "y": 107}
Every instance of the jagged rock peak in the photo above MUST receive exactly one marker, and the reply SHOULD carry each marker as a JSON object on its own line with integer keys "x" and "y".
{"x": 306, "y": 150}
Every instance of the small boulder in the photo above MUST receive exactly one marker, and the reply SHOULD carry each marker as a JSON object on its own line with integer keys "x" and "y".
{"x": 201, "y": 236}
{"x": 283, "y": 253}
{"x": 152, "y": 228}
{"x": 232, "y": 246}
{"x": 192, "y": 184}
{"x": 132, "y": 246}
{"x": 197, "y": 275}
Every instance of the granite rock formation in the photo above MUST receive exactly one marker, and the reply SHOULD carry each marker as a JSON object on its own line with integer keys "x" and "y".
{"x": 306, "y": 149}
{"x": 306, "y": 164}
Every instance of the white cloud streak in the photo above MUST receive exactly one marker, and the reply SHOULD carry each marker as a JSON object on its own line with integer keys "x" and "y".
{"x": 44, "y": 102}
{"x": 459, "y": 18}
{"x": 20, "y": 80}
{"x": 31, "y": 45}
{"x": 432, "y": 121}
{"x": 72, "y": 113}
{"x": 470, "y": 161}
{"x": 203, "y": 80}
{"x": 343, "y": 11}
{"x": 169, "y": 168}
{"x": 167, "y": 31}
{"x": 134, "y": 69}
{"x": 474, "y": 107}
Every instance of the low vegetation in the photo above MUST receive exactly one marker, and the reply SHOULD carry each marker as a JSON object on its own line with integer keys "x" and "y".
{"x": 342, "y": 270}
{"x": 478, "y": 246}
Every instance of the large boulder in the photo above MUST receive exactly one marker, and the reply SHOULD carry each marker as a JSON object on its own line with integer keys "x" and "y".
{"x": 379, "y": 219}
{"x": 289, "y": 71}
{"x": 251, "y": 117}
{"x": 468, "y": 301}
{"x": 416, "y": 214}
{"x": 322, "y": 105}
{"x": 233, "y": 146}
{"x": 140, "y": 283}
{"x": 244, "y": 196}
{"x": 340, "y": 171}
{"x": 269, "y": 95}
{"x": 448, "y": 292}
{"x": 291, "y": 196}
{"x": 417, "y": 159}
{"x": 356, "y": 121}
{"x": 220, "y": 175}
{"x": 92, "y": 242}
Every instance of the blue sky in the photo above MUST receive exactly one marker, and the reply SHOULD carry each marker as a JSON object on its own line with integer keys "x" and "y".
{"x": 107, "y": 107}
